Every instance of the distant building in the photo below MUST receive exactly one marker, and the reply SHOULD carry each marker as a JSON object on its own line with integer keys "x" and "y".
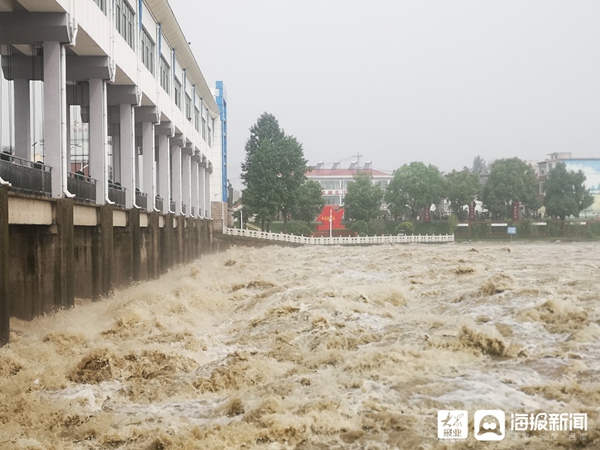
{"x": 334, "y": 181}
{"x": 589, "y": 166}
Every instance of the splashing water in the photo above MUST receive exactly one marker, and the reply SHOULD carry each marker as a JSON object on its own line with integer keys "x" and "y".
{"x": 314, "y": 348}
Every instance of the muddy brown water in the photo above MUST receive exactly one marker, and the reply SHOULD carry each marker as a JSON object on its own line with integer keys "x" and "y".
{"x": 316, "y": 348}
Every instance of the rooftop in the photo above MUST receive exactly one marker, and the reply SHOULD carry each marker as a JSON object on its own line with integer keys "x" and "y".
{"x": 343, "y": 172}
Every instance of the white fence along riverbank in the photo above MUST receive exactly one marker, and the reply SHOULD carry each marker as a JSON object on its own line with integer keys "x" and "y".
{"x": 366, "y": 240}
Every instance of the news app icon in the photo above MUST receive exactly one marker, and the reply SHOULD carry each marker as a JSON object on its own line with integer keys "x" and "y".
{"x": 489, "y": 425}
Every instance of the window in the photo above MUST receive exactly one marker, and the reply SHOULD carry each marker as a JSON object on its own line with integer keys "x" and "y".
{"x": 204, "y": 111}
{"x": 188, "y": 107}
{"x": 124, "y": 20}
{"x": 197, "y": 119}
{"x": 101, "y": 4}
{"x": 165, "y": 75}
{"x": 147, "y": 49}
{"x": 330, "y": 185}
{"x": 177, "y": 92}
{"x": 211, "y": 127}
{"x": 332, "y": 200}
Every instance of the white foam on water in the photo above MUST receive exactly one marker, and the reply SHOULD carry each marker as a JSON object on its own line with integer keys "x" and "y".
{"x": 339, "y": 347}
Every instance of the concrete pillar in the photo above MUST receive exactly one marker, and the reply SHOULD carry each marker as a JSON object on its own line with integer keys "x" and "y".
{"x": 64, "y": 265}
{"x": 206, "y": 237}
{"x": 176, "y": 174}
{"x": 178, "y": 244}
{"x": 55, "y": 122}
{"x": 136, "y": 243}
{"x": 153, "y": 252}
{"x": 99, "y": 139}
{"x": 4, "y": 298}
{"x": 186, "y": 182}
{"x": 103, "y": 251}
{"x": 22, "y": 119}
{"x": 207, "y": 193}
{"x": 148, "y": 160}
{"x": 128, "y": 153}
{"x": 194, "y": 185}
{"x": 197, "y": 238}
{"x": 164, "y": 172}
{"x": 166, "y": 244}
{"x": 202, "y": 189}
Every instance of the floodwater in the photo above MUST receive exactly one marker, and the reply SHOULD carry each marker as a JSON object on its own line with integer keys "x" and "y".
{"x": 316, "y": 348}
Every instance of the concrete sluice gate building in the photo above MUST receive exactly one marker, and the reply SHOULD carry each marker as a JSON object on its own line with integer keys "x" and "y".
{"x": 113, "y": 150}
{"x": 107, "y": 98}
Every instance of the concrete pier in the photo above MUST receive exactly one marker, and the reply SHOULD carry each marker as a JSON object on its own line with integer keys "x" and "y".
{"x": 4, "y": 300}
{"x": 54, "y": 250}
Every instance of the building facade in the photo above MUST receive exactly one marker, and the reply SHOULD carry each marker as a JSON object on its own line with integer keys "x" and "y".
{"x": 589, "y": 166}
{"x": 334, "y": 181}
{"x": 105, "y": 99}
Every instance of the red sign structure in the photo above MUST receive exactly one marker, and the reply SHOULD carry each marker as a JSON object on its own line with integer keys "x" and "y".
{"x": 427, "y": 214}
{"x": 472, "y": 211}
{"x": 331, "y": 218}
{"x": 516, "y": 210}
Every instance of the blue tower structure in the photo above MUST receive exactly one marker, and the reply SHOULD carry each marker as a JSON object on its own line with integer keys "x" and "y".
{"x": 222, "y": 103}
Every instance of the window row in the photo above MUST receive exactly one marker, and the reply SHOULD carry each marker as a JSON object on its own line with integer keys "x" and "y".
{"x": 343, "y": 184}
{"x": 125, "y": 25}
{"x": 125, "y": 21}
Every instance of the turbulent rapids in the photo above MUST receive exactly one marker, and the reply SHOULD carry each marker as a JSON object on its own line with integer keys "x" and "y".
{"x": 316, "y": 348}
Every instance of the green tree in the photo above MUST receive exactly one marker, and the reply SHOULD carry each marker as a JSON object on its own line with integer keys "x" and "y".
{"x": 566, "y": 194}
{"x": 462, "y": 188}
{"x": 415, "y": 186}
{"x": 266, "y": 129}
{"x": 360, "y": 226}
{"x": 299, "y": 229}
{"x": 309, "y": 203}
{"x": 259, "y": 197}
{"x": 363, "y": 198}
{"x": 479, "y": 166}
{"x": 509, "y": 180}
{"x": 258, "y": 170}
{"x": 290, "y": 175}
{"x": 273, "y": 171}
{"x": 377, "y": 227}
{"x": 405, "y": 228}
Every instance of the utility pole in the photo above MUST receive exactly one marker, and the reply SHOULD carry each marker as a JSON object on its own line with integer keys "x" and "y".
{"x": 358, "y": 155}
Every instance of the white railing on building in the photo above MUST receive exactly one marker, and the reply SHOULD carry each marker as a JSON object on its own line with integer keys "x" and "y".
{"x": 358, "y": 240}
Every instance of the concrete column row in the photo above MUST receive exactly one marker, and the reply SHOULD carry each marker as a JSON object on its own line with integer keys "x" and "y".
{"x": 179, "y": 176}
{"x": 175, "y": 177}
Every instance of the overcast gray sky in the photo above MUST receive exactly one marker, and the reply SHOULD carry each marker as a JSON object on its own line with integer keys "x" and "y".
{"x": 397, "y": 81}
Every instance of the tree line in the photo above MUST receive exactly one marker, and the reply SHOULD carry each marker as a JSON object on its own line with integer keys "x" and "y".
{"x": 416, "y": 187}
{"x": 274, "y": 173}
